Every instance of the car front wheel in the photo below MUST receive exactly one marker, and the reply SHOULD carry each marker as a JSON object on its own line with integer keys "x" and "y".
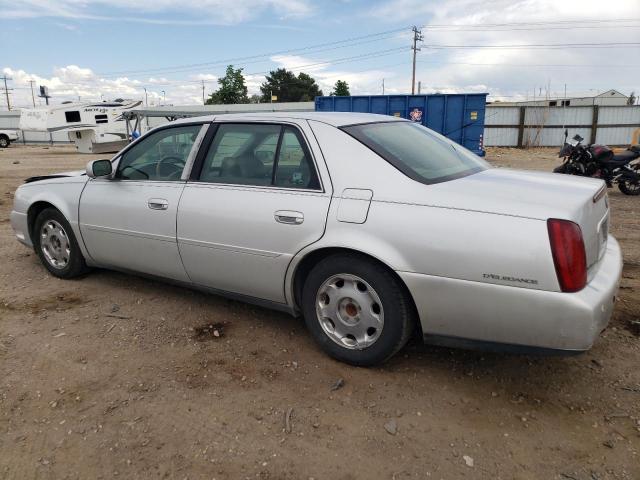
{"x": 357, "y": 310}
{"x": 56, "y": 245}
{"x": 4, "y": 141}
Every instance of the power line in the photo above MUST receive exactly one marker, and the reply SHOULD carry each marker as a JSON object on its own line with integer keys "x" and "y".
{"x": 261, "y": 55}
{"x": 515, "y": 24}
{"x": 540, "y": 46}
{"x": 224, "y": 63}
{"x": 519, "y": 65}
{"x": 355, "y": 58}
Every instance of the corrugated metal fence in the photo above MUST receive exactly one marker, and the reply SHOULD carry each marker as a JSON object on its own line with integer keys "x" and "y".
{"x": 507, "y": 126}
{"x": 504, "y": 126}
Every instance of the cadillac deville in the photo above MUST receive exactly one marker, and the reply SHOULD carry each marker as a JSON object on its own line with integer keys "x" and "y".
{"x": 372, "y": 228}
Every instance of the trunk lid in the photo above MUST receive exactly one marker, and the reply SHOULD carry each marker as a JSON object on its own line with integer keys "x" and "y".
{"x": 538, "y": 195}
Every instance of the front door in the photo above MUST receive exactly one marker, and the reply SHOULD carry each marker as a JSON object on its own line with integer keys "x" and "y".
{"x": 256, "y": 201}
{"x": 129, "y": 221}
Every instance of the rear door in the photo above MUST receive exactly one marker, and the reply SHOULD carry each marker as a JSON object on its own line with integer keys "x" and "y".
{"x": 255, "y": 199}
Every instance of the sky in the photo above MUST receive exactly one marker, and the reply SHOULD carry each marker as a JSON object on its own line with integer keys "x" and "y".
{"x": 92, "y": 50}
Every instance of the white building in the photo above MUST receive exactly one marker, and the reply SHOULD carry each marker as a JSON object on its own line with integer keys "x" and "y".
{"x": 609, "y": 98}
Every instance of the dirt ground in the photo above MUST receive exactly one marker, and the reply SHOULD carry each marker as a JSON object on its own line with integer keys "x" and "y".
{"x": 117, "y": 376}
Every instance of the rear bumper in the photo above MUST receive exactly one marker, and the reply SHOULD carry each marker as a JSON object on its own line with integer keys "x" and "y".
{"x": 486, "y": 313}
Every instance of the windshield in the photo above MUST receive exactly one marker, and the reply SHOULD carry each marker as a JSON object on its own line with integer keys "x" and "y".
{"x": 418, "y": 152}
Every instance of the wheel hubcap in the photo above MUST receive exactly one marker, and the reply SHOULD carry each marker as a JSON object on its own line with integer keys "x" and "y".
{"x": 349, "y": 311}
{"x": 55, "y": 245}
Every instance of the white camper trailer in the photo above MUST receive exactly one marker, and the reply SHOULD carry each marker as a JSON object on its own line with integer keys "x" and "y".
{"x": 92, "y": 127}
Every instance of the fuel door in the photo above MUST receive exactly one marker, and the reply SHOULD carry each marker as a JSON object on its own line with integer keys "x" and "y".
{"x": 354, "y": 205}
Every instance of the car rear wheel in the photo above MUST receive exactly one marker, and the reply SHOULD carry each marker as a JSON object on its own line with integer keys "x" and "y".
{"x": 4, "y": 141}
{"x": 56, "y": 245}
{"x": 357, "y": 310}
{"x": 629, "y": 187}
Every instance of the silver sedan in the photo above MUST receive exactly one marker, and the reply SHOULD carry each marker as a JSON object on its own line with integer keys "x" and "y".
{"x": 372, "y": 228}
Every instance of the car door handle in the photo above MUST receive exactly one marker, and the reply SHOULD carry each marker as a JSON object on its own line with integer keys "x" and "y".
{"x": 157, "y": 204}
{"x": 289, "y": 217}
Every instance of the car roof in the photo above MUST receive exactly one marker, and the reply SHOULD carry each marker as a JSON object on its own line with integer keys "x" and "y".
{"x": 337, "y": 119}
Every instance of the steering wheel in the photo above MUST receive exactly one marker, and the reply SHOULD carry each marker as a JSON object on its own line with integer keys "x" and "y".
{"x": 175, "y": 168}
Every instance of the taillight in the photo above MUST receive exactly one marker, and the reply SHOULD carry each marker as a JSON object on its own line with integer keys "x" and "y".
{"x": 569, "y": 256}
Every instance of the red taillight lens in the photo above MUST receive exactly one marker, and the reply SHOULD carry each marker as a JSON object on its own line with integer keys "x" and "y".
{"x": 569, "y": 256}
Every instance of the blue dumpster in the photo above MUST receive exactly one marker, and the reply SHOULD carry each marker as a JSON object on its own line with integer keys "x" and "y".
{"x": 459, "y": 117}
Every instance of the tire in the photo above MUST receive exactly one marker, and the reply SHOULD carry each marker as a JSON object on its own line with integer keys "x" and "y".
{"x": 560, "y": 168}
{"x": 4, "y": 141}
{"x": 60, "y": 245}
{"x": 378, "y": 332}
{"x": 629, "y": 188}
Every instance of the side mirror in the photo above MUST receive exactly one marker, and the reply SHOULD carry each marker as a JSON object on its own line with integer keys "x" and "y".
{"x": 99, "y": 168}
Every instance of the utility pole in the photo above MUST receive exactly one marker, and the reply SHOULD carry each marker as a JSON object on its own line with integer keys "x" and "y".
{"x": 419, "y": 86}
{"x": 203, "y": 101}
{"x": 383, "y": 86}
{"x": 33, "y": 97}
{"x": 417, "y": 37}
{"x": 6, "y": 91}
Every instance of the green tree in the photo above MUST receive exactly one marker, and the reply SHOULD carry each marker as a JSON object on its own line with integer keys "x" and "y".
{"x": 287, "y": 87}
{"x": 232, "y": 88}
{"x": 632, "y": 99}
{"x": 341, "y": 89}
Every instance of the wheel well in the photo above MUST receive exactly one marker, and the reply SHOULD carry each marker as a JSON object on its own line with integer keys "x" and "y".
{"x": 33, "y": 212}
{"x": 4, "y": 135}
{"x": 308, "y": 262}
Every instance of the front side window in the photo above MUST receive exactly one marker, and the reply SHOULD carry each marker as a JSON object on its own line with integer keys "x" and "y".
{"x": 418, "y": 152}
{"x": 161, "y": 155}
{"x": 260, "y": 155}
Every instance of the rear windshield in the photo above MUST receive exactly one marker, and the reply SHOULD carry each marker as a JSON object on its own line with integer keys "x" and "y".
{"x": 418, "y": 152}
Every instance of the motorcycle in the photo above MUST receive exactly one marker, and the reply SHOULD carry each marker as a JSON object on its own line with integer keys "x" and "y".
{"x": 599, "y": 161}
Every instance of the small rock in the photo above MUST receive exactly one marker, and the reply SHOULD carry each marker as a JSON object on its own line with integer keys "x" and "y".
{"x": 608, "y": 444}
{"x": 468, "y": 461}
{"x": 338, "y": 385}
{"x": 16, "y": 162}
{"x": 391, "y": 426}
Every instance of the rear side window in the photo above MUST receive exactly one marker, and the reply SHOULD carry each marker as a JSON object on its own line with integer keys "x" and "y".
{"x": 418, "y": 152}
{"x": 295, "y": 167}
{"x": 260, "y": 155}
{"x": 242, "y": 154}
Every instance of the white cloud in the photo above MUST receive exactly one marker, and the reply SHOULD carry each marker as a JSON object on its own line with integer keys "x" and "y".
{"x": 185, "y": 12}
{"x": 366, "y": 82}
{"x": 72, "y": 82}
{"x": 514, "y": 72}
